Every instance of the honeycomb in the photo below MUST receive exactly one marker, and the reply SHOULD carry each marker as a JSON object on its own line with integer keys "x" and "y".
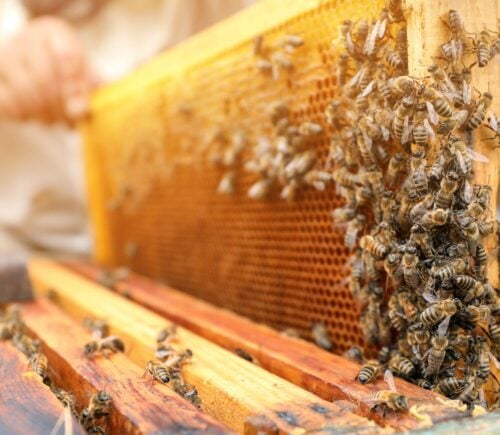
{"x": 153, "y": 190}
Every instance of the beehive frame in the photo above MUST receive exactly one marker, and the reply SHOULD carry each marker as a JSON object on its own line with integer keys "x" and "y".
{"x": 282, "y": 264}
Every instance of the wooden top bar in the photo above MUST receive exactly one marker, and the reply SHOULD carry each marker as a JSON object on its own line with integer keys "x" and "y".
{"x": 27, "y": 406}
{"x": 138, "y": 407}
{"x": 231, "y": 389}
{"x": 327, "y": 375}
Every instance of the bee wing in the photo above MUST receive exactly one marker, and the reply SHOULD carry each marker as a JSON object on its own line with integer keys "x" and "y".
{"x": 460, "y": 116}
{"x": 429, "y": 297}
{"x": 369, "y": 88}
{"x": 370, "y": 41}
{"x": 443, "y": 326}
{"x": 349, "y": 43}
{"x": 381, "y": 28}
{"x": 466, "y": 92}
{"x": 430, "y": 130}
{"x": 389, "y": 379}
{"x": 386, "y": 134}
{"x": 478, "y": 157}
{"x": 494, "y": 361}
{"x": 356, "y": 78}
{"x": 368, "y": 141}
{"x": 493, "y": 121}
{"x": 468, "y": 193}
{"x": 433, "y": 116}
{"x": 461, "y": 162}
{"x": 407, "y": 128}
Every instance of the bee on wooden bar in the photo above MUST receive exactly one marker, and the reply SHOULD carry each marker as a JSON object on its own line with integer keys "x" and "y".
{"x": 158, "y": 372}
{"x": 40, "y": 365}
{"x": 104, "y": 346}
{"x": 390, "y": 399}
{"x": 98, "y": 327}
{"x": 99, "y": 406}
{"x": 167, "y": 334}
{"x": 369, "y": 372}
{"x": 65, "y": 398}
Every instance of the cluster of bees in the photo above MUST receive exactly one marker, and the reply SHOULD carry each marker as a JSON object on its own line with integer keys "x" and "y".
{"x": 167, "y": 368}
{"x": 273, "y": 60}
{"x": 414, "y": 220}
{"x": 12, "y": 328}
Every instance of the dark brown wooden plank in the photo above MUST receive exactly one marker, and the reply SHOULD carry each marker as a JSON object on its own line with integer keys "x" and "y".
{"x": 327, "y": 375}
{"x": 27, "y": 406}
{"x": 139, "y": 407}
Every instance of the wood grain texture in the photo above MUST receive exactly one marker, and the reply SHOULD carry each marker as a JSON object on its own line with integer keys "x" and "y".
{"x": 139, "y": 406}
{"x": 426, "y": 32}
{"x": 230, "y": 388}
{"x": 27, "y": 406}
{"x": 324, "y": 374}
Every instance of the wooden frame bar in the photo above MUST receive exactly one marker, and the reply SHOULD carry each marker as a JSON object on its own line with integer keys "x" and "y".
{"x": 324, "y": 374}
{"x": 232, "y": 389}
{"x": 138, "y": 406}
{"x": 27, "y": 406}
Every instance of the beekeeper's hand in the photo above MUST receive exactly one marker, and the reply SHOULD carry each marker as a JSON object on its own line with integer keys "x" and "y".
{"x": 44, "y": 74}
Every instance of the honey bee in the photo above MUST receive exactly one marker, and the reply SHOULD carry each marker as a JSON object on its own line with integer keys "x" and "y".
{"x": 480, "y": 261}
{"x": 391, "y": 266}
{"x": 422, "y": 130}
{"x": 395, "y": 168}
{"x": 457, "y": 120}
{"x": 456, "y": 21}
{"x": 449, "y": 386}
{"x": 419, "y": 338}
{"x": 345, "y": 178}
{"x": 25, "y": 344}
{"x": 104, "y": 346}
{"x": 355, "y": 354}
{"x": 483, "y": 49}
{"x": 409, "y": 308}
{"x": 342, "y": 68}
{"x": 471, "y": 391}
{"x": 291, "y": 42}
{"x": 438, "y": 311}
{"x": 226, "y": 184}
{"x": 390, "y": 399}
{"x": 158, "y": 372}
{"x": 423, "y": 383}
{"x": 373, "y": 246}
{"x": 420, "y": 237}
{"x": 483, "y": 360}
{"x": 99, "y": 406}
{"x": 356, "y": 273}
{"x": 167, "y": 334}
{"x": 468, "y": 286}
{"x": 260, "y": 189}
{"x": 448, "y": 186}
{"x": 343, "y": 214}
{"x": 354, "y": 227}
{"x": 400, "y": 124}
{"x": 396, "y": 314}
{"x": 436, "y": 355}
{"x": 321, "y": 337}
{"x": 369, "y": 371}
{"x": 434, "y": 218}
{"x": 479, "y": 113}
{"x": 395, "y": 9}
{"x": 395, "y": 61}
{"x": 65, "y": 398}
{"x": 384, "y": 354}
{"x": 401, "y": 366}
{"x": 409, "y": 265}
{"x": 98, "y": 327}
{"x": 309, "y": 129}
{"x": 40, "y": 364}
{"x": 441, "y": 79}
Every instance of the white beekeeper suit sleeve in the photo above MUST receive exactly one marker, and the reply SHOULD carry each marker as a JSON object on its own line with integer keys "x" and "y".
{"x": 41, "y": 167}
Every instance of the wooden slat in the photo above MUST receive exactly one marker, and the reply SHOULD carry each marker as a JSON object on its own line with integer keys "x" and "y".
{"x": 138, "y": 406}
{"x": 27, "y": 406}
{"x": 327, "y": 375}
{"x": 426, "y": 32}
{"x": 231, "y": 388}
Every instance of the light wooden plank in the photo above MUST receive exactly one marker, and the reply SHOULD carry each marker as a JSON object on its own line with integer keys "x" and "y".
{"x": 231, "y": 388}
{"x": 139, "y": 407}
{"x": 324, "y": 374}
